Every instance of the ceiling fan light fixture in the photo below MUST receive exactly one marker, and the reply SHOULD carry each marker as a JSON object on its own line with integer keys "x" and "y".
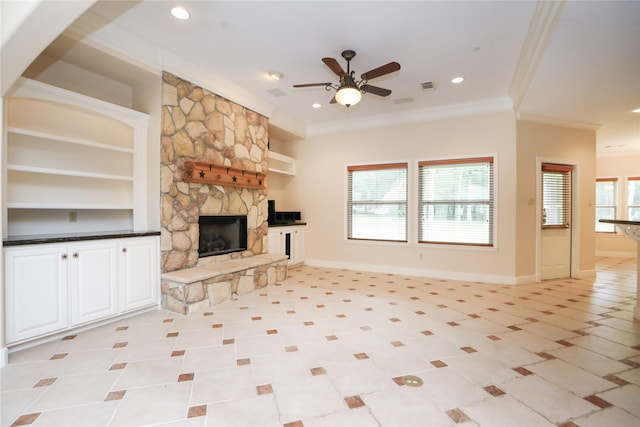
{"x": 348, "y": 96}
{"x": 180, "y": 12}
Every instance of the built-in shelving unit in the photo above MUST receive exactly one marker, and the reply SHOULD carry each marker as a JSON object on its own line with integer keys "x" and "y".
{"x": 279, "y": 163}
{"x": 69, "y": 151}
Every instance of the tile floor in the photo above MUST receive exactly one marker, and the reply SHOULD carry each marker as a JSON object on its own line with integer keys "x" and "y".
{"x": 332, "y": 347}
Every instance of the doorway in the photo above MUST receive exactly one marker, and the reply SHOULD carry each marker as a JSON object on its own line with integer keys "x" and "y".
{"x": 556, "y": 221}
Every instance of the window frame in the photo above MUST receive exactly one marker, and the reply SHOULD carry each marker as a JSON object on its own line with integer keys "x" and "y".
{"x": 627, "y": 204}
{"x": 349, "y": 202}
{"x": 616, "y": 198}
{"x": 491, "y": 202}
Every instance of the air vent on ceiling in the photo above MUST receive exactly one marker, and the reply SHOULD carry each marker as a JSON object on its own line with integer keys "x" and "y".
{"x": 276, "y": 92}
{"x": 427, "y": 86}
{"x": 403, "y": 100}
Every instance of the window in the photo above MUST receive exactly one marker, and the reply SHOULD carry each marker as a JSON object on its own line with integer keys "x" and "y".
{"x": 633, "y": 198}
{"x": 606, "y": 203}
{"x": 456, "y": 201}
{"x": 377, "y": 202}
{"x": 556, "y": 195}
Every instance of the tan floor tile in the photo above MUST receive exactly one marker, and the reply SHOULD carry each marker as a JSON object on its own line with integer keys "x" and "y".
{"x": 524, "y": 341}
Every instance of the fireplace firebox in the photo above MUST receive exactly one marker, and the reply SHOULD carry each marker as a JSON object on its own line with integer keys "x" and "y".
{"x": 222, "y": 234}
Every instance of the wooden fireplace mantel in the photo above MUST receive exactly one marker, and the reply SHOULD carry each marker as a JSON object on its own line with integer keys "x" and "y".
{"x": 206, "y": 173}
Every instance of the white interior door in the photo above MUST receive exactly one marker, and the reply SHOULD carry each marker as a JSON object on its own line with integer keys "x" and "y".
{"x": 555, "y": 256}
{"x": 555, "y": 236}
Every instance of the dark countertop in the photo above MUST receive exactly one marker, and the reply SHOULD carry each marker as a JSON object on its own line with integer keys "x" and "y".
{"x": 618, "y": 221}
{"x": 286, "y": 224}
{"x": 74, "y": 237}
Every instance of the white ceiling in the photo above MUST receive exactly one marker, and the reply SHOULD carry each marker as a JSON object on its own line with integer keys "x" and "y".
{"x": 588, "y": 71}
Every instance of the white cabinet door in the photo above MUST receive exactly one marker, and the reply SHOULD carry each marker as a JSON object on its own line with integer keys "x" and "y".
{"x": 92, "y": 281}
{"x": 139, "y": 272}
{"x": 276, "y": 240}
{"x": 297, "y": 246}
{"x": 288, "y": 241}
{"x": 35, "y": 291}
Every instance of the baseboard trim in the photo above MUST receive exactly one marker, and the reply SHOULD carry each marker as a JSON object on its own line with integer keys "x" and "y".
{"x": 418, "y": 272}
{"x": 616, "y": 254}
{"x": 585, "y": 274}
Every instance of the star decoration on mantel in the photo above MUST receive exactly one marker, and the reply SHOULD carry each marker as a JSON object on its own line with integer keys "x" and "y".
{"x": 235, "y": 178}
{"x": 201, "y": 174}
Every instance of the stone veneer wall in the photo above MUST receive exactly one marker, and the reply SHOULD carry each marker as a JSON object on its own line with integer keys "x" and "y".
{"x": 201, "y": 126}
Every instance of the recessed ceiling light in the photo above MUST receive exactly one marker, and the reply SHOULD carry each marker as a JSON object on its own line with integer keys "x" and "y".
{"x": 316, "y": 105}
{"x": 275, "y": 76}
{"x": 637, "y": 110}
{"x": 180, "y": 12}
{"x": 457, "y": 80}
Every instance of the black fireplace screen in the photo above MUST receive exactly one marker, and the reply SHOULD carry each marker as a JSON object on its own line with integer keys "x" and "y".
{"x": 222, "y": 234}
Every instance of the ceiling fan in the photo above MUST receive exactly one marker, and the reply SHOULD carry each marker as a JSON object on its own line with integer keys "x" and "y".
{"x": 349, "y": 91}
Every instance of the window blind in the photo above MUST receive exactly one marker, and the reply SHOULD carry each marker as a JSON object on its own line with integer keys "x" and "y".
{"x": 456, "y": 201}
{"x": 556, "y": 195}
{"x": 377, "y": 202}
{"x": 606, "y": 203}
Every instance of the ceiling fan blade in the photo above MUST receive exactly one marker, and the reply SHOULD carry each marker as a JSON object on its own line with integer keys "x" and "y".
{"x": 381, "y": 71}
{"x": 376, "y": 90}
{"x": 312, "y": 84}
{"x": 334, "y": 66}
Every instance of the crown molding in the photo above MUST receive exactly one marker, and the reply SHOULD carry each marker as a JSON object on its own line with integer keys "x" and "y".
{"x": 543, "y": 23}
{"x": 557, "y": 122}
{"x": 498, "y": 105}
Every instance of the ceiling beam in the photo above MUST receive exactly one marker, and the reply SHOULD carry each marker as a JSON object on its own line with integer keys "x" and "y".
{"x": 33, "y": 26}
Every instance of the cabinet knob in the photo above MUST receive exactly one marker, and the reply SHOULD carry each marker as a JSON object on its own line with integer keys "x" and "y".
{"x": 124, "y": 249}
{"x": 64, "y": 256}
{"x": 76, "y": 255}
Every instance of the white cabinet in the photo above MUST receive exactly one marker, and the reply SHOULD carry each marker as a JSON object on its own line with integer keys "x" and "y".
{"x": 287, "y": 240}
{"x": 139, "y": 272}
{"x": 35, "y": 291}
{"x": 53, "y": 287}
{"x": 92, "y": 281}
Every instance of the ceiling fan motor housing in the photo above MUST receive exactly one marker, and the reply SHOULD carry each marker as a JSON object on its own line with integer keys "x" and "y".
{"x": 348, "y": 55}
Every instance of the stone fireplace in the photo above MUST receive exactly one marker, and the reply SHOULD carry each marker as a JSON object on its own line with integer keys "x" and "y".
{"x": 200, "y": 126}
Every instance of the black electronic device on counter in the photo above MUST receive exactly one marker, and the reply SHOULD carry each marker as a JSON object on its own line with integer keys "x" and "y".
{"x": 285, "y": 217}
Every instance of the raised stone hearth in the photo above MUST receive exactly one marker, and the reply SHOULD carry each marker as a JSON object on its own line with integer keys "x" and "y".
{"x": 193, "y": 289}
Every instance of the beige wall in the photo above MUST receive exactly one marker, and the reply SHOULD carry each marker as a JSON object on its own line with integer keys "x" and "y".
{"x": 547, "y": 143}
{"x": 318, "y": 190}
{"x": 621, "y": 167}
